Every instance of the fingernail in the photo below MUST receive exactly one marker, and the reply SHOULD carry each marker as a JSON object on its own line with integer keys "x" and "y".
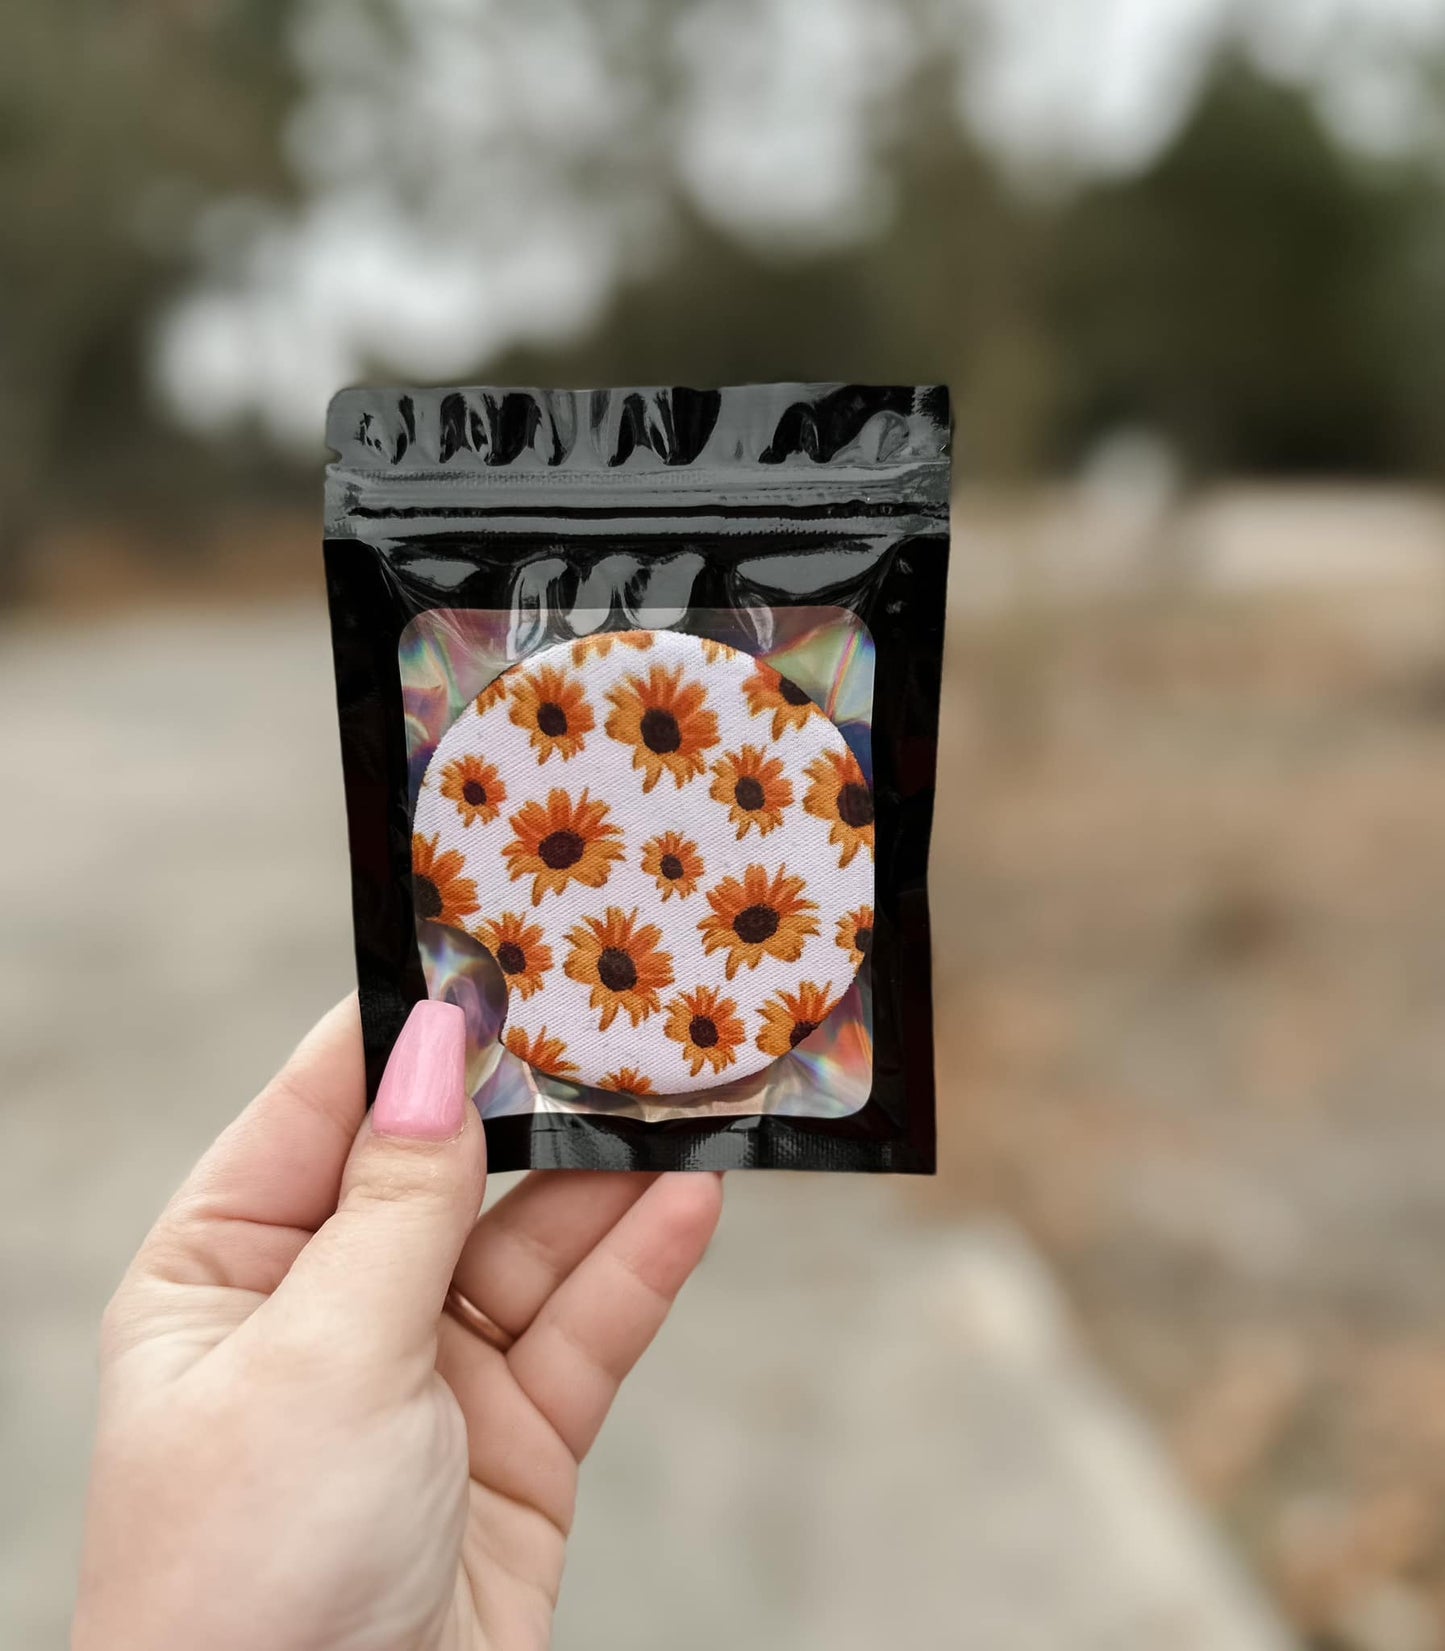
{"x": 423, "y": 1093}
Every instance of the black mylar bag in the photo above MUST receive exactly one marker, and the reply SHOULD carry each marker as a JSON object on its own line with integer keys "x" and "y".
{"x": 638, "y": 693}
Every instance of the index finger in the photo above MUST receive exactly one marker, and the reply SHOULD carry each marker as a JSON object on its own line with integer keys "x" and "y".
{"x": 597, "y": 1324}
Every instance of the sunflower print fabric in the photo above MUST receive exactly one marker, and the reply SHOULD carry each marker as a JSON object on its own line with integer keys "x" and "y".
{"x": 667, "y": 849}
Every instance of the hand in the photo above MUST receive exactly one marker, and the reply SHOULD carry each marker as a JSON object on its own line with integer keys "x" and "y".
{"x": 297, "y": 1449}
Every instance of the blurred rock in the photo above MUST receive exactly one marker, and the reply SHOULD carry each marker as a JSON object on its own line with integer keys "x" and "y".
{"x": 889, "y": 1436}
{"x": 1124, "y": 529}
{"x": 1388, "y": 1617}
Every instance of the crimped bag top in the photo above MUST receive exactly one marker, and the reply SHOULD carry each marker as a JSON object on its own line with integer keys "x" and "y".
{"x": 667, "y": 848}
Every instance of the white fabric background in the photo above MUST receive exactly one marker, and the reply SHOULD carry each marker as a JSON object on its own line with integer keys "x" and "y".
{"x": 604, "y": 768}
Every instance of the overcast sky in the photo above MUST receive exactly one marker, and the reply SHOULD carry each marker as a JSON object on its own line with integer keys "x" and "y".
{"x": 489, "y": 106}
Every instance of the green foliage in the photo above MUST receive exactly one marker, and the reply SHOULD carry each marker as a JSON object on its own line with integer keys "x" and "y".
{"x": 1262, "y": 296}
{"x": 1240, "y": 295}
{"x": 118, "y": 123}
{"x": 951, "y": 290}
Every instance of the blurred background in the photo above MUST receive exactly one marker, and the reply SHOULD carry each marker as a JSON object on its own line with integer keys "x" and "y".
{"x": 1159, "y": 1359}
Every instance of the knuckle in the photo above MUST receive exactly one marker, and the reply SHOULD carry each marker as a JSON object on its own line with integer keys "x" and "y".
{"x": 391, "y": 1177}
{"x": 393, "y": 1185}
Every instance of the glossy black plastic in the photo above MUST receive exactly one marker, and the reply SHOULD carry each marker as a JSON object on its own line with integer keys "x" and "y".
{"x": 544, "y": 503}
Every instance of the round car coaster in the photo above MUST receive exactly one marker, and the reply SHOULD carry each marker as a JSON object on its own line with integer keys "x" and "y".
{"x": 666, "y": 847}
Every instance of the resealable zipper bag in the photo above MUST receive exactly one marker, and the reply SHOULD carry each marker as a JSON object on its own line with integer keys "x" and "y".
{"x": 638, "y": 695}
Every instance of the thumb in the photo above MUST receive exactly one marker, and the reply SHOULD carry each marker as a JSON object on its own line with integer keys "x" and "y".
{"x": 374, "y": 1277}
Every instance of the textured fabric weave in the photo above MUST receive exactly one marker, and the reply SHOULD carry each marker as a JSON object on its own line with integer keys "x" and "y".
{"x": 666, "y": 847}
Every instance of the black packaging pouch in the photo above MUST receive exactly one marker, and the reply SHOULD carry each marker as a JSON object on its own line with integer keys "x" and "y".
{"x": 638, "y": 693}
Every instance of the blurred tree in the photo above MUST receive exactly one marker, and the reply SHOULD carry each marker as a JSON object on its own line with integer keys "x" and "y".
{"x": 118, "y": 124}
{"x": 1260, "y": 295}
{"x": 949, "y": 289}
{"x": 1233, "y": 295}
{"x": 657, "y": 176}
{"x": 1407, "y": 314}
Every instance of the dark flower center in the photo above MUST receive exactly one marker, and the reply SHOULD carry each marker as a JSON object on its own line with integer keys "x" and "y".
{"x": 660, "y": 732}
{"x": 702, "y": 1031}
{"x": 616, "y": 970}
{"x": 670, "y": 867}
{"x": 804, "y": 1029}
{"x": 863, "y": 940}
{"x": 552, "y": 720}
{"x": 428, "y": 900}
{"x": 511, "y": 959}
{"x": 749, "y": 793}
{"x": 475, "y": 794}
{"x": 792, "y": 692}
{"x": 560, "y": 850}
{"x": 755, "y": 925}
{"x": 855, "y": 806}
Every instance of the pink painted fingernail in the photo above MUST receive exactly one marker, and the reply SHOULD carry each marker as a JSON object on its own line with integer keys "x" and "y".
{"x": 423, "y": 1093}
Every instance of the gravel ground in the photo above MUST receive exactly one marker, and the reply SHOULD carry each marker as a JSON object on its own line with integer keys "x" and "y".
{"x": 861, "y": 1425}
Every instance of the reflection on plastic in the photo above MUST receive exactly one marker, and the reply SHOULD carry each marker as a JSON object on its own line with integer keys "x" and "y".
{"x": 446, "y": 658}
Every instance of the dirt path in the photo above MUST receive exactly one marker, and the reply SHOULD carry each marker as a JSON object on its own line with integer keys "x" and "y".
{"x": 860, "y": 1429}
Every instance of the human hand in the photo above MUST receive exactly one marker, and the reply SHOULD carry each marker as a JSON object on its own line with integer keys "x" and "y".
{"x": 297, "y": 1449}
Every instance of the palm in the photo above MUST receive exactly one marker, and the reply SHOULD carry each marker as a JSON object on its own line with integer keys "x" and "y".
{"x": 510, "y": 1565}
{"x": 430, "y": 1476}
{"x": 581, "y": 1269}
{"x": 499, "y": 1609}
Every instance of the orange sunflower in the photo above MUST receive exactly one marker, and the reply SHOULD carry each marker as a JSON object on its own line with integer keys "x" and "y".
{"x": 475, "y": 787}
{"x": 840, "y": 795}
{"x": 627, "y": 1080}
{"x": 769, "y": 690}
{"x": 563, "y": 842}
{"x": 601, "y": 644}
{"x": 706, "y": 1024}
{"x": 438, "y": 889}
{"x": 553, "y": 709}
{"x": 673, "y": 860}
{"x": 754, "y": 919}
{"x": 754, "y": 788}
{"x": 790, "y": 1017}
{"x": 712, "y": 651}
{"x": 546, "y": 1054}
{"x": 666, "y": 722}
{"x": 621, "y": 963}
{"x": 855, "y": 935}
{"x": 494, "y": 693}
{"x": 518, "y": 950}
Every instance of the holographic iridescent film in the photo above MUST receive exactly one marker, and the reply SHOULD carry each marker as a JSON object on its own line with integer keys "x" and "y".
{"x": 447, "y": 656}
